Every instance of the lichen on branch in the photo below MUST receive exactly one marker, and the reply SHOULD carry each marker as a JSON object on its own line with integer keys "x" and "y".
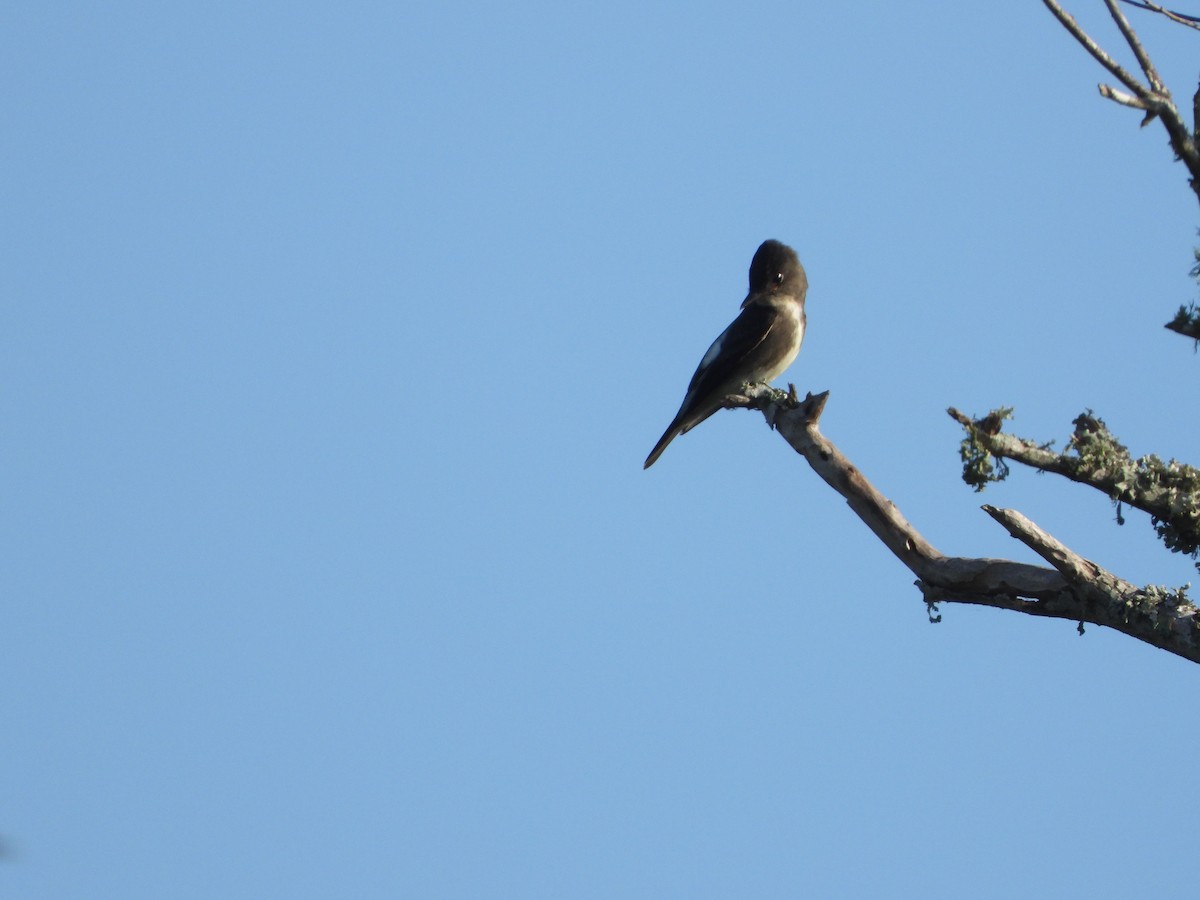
{"x": 980, "y": 466}
{"x": 1169, "y": 491}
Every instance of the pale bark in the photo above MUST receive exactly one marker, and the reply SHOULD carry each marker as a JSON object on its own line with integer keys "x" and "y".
{"x": 1071, "y": 588}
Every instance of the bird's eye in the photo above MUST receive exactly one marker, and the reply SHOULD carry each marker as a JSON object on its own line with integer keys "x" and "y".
{"x": 779, "y": 278}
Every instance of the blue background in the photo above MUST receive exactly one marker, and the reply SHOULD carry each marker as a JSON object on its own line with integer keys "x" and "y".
{"x": 334, "y": 337}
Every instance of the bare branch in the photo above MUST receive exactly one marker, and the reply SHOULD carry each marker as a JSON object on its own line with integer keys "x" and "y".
{"x": 1111, "y": 93}
{"x": 1135, "y": 45}
{"x": 1069, "y": 23}
{"x": 1076, "y": 589}
{"x": 1178, "y": 18}
{"x": 1155, "y": 98}
{"x": 1070, "y": 564}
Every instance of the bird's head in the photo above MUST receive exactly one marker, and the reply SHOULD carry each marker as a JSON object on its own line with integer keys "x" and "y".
{"x": 776, "y": 269}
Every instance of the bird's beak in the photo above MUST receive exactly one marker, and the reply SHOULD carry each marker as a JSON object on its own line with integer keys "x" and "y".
{"x": 747, "y": 300}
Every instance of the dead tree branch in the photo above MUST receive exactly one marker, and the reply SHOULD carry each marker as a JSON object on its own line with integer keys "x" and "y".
{"x": 1178, "y": 18}
{"x": 1131, "y": 38}
{"x": 1153, "y": 97}
{"x": 1074, "y": 588}
{"x": 1169, "y": 491}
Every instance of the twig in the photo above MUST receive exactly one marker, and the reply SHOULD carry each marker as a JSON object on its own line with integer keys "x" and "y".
{"x": 1154, "y": 98}
{"x": 1085, "y": 40}
{"x": 1111, "y": 93}
{"x": 1070, "y": 564}
{"x": 1135, "y": 45}
{"x": 1179, "y": 18}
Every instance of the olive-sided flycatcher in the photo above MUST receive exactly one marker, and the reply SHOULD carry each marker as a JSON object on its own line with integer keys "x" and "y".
{"x": 762, "y": 341}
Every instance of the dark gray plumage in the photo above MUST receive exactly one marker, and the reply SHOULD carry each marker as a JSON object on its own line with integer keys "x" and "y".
{"x": 757, "y": 346}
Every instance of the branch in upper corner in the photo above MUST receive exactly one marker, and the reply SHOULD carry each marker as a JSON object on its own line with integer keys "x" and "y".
{"x": 1176, "y": 17}
{"x": 1075, "y": 589}
{"x": 1135, "y": 45}
{"x": 1154, "y": 97}
{"x": 1085, "y": 40}
{"x": 1168, "y": 491}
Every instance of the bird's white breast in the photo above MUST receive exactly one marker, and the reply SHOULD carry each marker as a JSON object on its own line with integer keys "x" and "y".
{"x": 793, "y": 317}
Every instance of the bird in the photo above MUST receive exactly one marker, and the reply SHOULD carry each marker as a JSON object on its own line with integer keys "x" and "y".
{"x": 757, "y": 346}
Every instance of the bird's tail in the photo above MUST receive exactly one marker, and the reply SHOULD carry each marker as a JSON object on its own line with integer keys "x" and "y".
{"x": 673, "y": 431}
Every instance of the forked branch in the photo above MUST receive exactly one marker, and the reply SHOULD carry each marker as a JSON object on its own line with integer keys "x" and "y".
{"x": 1152, "y": 96}
{"x": 1071, "y": 588}
{"x": 1168, "y": 490}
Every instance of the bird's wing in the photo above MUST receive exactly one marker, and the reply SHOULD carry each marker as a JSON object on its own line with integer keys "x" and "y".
{"x": 726, "y": 357}
{"x": 721, "y": 370}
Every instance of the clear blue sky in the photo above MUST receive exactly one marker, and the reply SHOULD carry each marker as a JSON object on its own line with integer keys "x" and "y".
{"x": 333, "y": 339}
